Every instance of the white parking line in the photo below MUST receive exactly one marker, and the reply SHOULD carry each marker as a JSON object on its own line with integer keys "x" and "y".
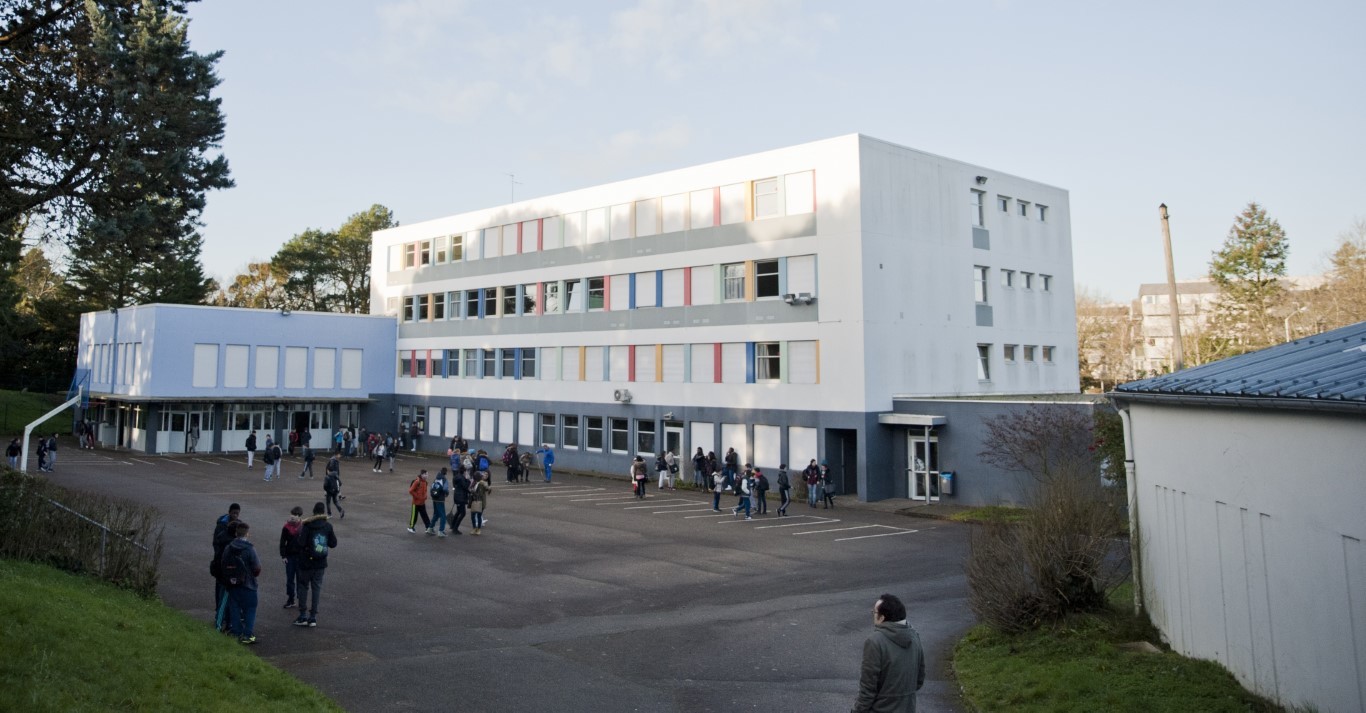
{"x": 674, "y": 512}
{"x": 694, "y": 517}
{"x": 822, "y": 521}
{"x": 601, "y": 497}
{"x": 686, "y": 503}
{"x": 143, "y": 461}
{"x": 201, "y": 460}
{"x": 572, "y": 495}
{"x": 838, "y": 529}
{"x": 647, "y": 497}
{"x": 565, "y": 491}
{"x": 885, "y": 534}
{"x": 558, "y": 488}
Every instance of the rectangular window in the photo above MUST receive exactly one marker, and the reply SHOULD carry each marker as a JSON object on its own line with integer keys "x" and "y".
{"x": 1043, "y": 213}
{"x": 593, "y": 360}
{"x": 766, "y": 200}
{"x": 471, "y": 364}
{"x": 509, "y": 361}
{"x": 409, "y": 308}
{"x": 528, "y": 304}
{"x": 509, "y": 239}
{"x": 983, "y": 362}
{"x": 647, "y": 217}
{"x": 510, "y": 301}
{"x": 457, "y": 247}
{"x": 976, "y": 209}
{"x": 979, "y": 280}
{"x": 597, "y": 293}
{"x": 799, "y": 191}
{"x": 733, "y": 203}
{"x": 1008, "y": 352}
{"x": 703, "y": 285}
{"x": 675, "y": 210}
{"x": 572, "y": 295}
{"x": 1024, "y": 209}
{"x": 405, "y": 363}
{"x": 597, "y": 226}
{"x": 550, "y": 363}
{"x": 733, "y": 366}
{"x": 645, "y": 364}
{"x": 420, "y": 363}
{"x": 1028, "y": 278}
{"x": 490, "y": 301}
{"x": 553, "y": 291}
{"x": 531, "y": 236}
{"x": 439, "y": 305}
{"x": 489, "y": 366}
{"x": 703, "y": 364}
{"x": 621, "y": 222}
{"x": 424, "y": 311}
{"x": 733, "y": 281}
{"x": 1004, "y": 203}
{"x": 452, "y": 363}
{"x": 569, "y": 364}
{"x": 439, "y": 249}
{"x": 620, "y": 297}
{"x": 1029, "y": 354}
{"x": 702, "y": 209}
{"x": 1047, "y": 354}
{"x": 766, "y": 361}
{"x": 673, "y": 363}
{"x": 620, "y": 435}
{"x": 618, "y": 363}
{"x": 574, "y": 229}
{"x": 766, "y": 279}
{"x": 548, "y": 429}
{"x": 673, "y": 288}
{"x": 410, "y": 255}
{"x": 645, "y": 440}
{"x": 424, "y": 253}
{"x": 571, "y": 431}
{"x": 803, "y": 361}
{"x": 551, "y": 233}
{"x": 593, "y": 432}
{"x": 1007, "y": 278}
{"x": 529, "y": 364}
{"x": 1046, "y": 283}
{"x": 645, "y": 289}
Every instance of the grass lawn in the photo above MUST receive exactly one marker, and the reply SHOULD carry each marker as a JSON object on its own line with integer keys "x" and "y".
{"x": 73, "y": 644}
{"x": 18, "y": 408}
{"x": 991, "y": 513}
{"x": 1077, "y": 666}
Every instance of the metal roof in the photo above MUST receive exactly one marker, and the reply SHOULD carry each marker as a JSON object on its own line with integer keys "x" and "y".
{"x": 1324, "y": 372}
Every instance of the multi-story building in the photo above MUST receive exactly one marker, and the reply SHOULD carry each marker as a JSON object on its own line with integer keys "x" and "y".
{"x": 807, "y": 303}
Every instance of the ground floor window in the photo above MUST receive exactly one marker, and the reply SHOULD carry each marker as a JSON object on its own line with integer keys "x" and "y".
{"x": 620, "y": 435}
{"x": 548, "y": 428}
{"x": 593, "y": 426}
{"x": 645, "y": 437}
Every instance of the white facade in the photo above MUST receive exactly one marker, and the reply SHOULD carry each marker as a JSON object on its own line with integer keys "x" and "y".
{"x": 773, "y": 291}
{"x": 1251, "y": 541}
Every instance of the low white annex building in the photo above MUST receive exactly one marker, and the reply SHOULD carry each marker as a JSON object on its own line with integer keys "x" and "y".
{"x": 1248, "y": 495}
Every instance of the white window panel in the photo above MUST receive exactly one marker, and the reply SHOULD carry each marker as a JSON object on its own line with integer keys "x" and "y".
{"x": 569, "y": 370}
{"x": 324, "y": 368}
{"x": 468, "y": 419}
{"x": 733, "y": 436}
{"x": 550, "y": 363}
{"x": 767, "y": 201}
{"x": 647, "y": 217}
{"x": 801, "y": 362}
{"x": 733, "y": 363}
{"x": 296, "y": 367}
{"x": 645, "y": 289}
{"x": 675, "y": 210}
{"x": 621, "y": 221}
{"x": 673, "y": 288}
{"x": 801, "y": 447}
{"x": 395, "y": 258}
{"x": 486, "y": 425}
{"x": 574, "y": 229}
{"x": 351, "y": 368}
{"x": 526, "y": 429}
{"x": 621, "y": 293}
{"x": 800, "y": 192}
{"x": 531, "y": 234}
{"x": 474, "y": 245}
{"x": 801, "y": 274}
{"x": 267, "y": 367}
{"x": 768, "y": 448}
{"x": 673, "y": 363}
{"x": 645, "y": 363}
{"x": 703, "y": 363}
{"x": 235, "y": 358}
{"x": 505, "y": 420}
{"x": 621, "y": 364}
{"x": 704, "y": 285}
{"x": 450, "y": 425}
{"x": 702, "y": 209}
{"x": 553, "y": 238}
{"x": 205, "y": 366}
{"x": 592, "y": 363}
{"x": 733, "y": 203}
{"x": 701, "y": 434}
{"x": 509, "y": 240}
{"x": 597, "y": 226}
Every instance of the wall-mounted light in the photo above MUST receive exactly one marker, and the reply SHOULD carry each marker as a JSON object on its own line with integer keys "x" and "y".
{"x": 789, "y": 298}
{"x": 981, "y": 180}
{"x": 804, "y": 298}
{"x": 669, "y": 416}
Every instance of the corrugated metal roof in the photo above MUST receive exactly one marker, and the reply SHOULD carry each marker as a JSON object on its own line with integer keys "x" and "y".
{"x": 1328, "y": 369}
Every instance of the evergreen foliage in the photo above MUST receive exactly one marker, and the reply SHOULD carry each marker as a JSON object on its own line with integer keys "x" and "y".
{"x": 1248, "y": 270}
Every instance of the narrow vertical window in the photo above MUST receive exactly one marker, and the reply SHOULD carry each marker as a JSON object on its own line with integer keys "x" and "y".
{"x": 983, "y": 362}
{"x": 977, "y": 209}
{"x": 767, "y": 363}
{"x": 766, "y": 203}
{"x": 979, "y": 279}
{"x": 733, "y": 280}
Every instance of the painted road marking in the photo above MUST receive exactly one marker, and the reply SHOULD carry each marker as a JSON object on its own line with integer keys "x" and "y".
{"x": 838, "y": 529}
{"x": 685, "y": 503}
{"x": 823, "y": 521}
{"x": 885, "y": 534}
{"x": 201, "y": 460}
{"x": 572, "y": 495}
{"x": 671, "y": 512}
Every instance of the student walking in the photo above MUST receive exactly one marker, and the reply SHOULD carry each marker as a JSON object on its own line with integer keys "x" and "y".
{"x": 332, "y": 486}
{"x": 289, "y": 550}
{"x": 379, "y": 453}
{"x": 51, "y": 452}
{"x": 241, "y": 567}
{"x": 827, "y": 486}
{"x": 251, "y": 448}
{"x": 272, "y": 457}
{"x": 784, "y": 490}
{"x": 440, "y": 489}
{"x": 512, "y": 461}
{"x": 744, "y": 487}
{"x": 527, "y": 464}
{"x": 812, "y": 477}
{"x": 316, "y": 540}
{"x": 761, "y": 491}
{"x": 718, "y": 484}
{"x": 224, "y": 531}
{"x": 638, "y": 476}
{"x": 664, "y": 466}
{"x": 479, "y": 498}
{"x": 418, "y": 490}
{"x": 460, "y": 496}
{"x": 308, "y": 463}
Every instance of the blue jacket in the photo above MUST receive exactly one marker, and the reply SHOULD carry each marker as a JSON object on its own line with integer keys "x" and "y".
{"x": 244, "y": 549}
{"x": 547, "y": 456}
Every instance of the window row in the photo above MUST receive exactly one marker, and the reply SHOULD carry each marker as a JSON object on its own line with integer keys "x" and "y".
{"x": 117, "y": 364}
{"x": 747, "y": 281}
{"x": 772, "y": 197}
{"x": 977, "y": 208}
{"x": 795, "y": 362}
{"x": 1009, "y": 279}
{"x": 1009, "y": 354}
{"x": 329, "y": 367}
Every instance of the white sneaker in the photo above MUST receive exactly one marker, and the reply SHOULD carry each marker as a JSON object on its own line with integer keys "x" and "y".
{"x": 441, "y": 534}
{"x": 412, "y": 531}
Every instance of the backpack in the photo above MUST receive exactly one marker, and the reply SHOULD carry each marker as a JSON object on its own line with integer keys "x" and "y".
{"x": 484, "y": 463}
{"x": 332, "y": 484}
{"x": 439, "y": 490}
{"x": 507, "y": 457}
{"x": 316, "y": 547}
{"x": 467, "y": 463}
{"x": 660, "y": 464}
{"x": 233, "y": 569}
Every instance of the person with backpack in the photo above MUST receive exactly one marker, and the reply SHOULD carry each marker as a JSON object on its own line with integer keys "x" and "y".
{"x": 224, "y": 530}
{"x": 460, "y": 496}
{"x": 332, "y": 486}
{"x": 482, "y": 463}
{"x": 418, "y": 491}
{"x": 526, "y": 464}
{"x": 272, "y": 457}
{"x": 638, "y": 477}
{"x": 699, "y": 469}
{"x": 511, "y": 460}
{"x": 308, "y": 462}
{"x": 761, "y": 491}
{"x": 784, "y": 491}
{"x": 812, "y": 477}
{"x": 289, "y": 550}
{"x": 662, "y": 471}
{"x": 241, "y": 567}
{"x": 316, "y": 540}
{"x": 479, "y": 498}
{"x": 440, "y": 489}
{"x": 250, "y": 445}
{"x": 744, "y": 487}
{"x": 827, "y": 486}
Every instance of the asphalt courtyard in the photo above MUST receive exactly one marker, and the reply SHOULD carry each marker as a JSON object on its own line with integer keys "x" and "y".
{"x": 578, "y": 597}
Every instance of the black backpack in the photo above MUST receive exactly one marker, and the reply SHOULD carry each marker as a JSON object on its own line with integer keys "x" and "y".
{"x": 315, "y": 544}
{"x": 234, "y": 570}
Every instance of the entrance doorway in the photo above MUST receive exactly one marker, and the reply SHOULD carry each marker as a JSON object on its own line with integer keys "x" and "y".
{"x": 673, "y": 438}
{"x": 841, "y": 454}
{"x": 923, "y": 456}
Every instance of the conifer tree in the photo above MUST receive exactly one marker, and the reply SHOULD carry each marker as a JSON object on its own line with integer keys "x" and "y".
{"x": 1249, "y": 270}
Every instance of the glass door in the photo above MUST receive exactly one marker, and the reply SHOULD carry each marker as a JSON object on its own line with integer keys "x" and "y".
{"x": 923, "y": 474}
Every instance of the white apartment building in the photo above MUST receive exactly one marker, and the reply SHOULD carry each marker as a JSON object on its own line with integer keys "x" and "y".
{"x": 782, "y": 303}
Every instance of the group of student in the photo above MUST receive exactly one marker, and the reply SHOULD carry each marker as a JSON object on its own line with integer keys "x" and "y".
{"x": 468, "y": 488}
{"x": 304, "y": 546}
{"x": 46, "y": 449}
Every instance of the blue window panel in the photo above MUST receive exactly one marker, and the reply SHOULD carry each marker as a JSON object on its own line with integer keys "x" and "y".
{"x": 749, "y": 362}
{"x": 659, "y": 288}
{"x": 782, "y": 275}
{"x": 631, "y": 278}
{"x": 521, "y": 299}
{"x": 606, "y": 363}
{"x": 517, "y": 361}
{"x": 481, "y": 302}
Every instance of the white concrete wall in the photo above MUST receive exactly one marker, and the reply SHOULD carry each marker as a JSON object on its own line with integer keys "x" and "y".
{"x": 1252, "y": 529}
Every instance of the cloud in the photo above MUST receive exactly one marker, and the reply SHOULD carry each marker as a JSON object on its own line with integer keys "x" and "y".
{"x": 673, "y": 30}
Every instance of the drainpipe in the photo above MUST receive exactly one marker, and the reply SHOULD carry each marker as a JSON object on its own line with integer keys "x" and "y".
{"x": 1135, "y": 532}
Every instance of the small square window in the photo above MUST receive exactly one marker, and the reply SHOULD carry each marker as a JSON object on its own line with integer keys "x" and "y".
{"x": 1047, "y": 355}
{"x": 1007, "y": 278}
{"x": 1024, "y": 209}
{"x": 1028, "y": 278}
{"x": 1046, "y": 283}
{"x": 1043, "y": 213}
{"x": 1029, "y": 353}
{"x": 1004, "y": 203}
{"x": 1008, "y": 351}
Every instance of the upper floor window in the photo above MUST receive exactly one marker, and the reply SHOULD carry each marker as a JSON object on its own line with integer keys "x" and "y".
{"x": 1043, "y": 213}
{"x": 983, "y": 362}
{"x": 1046, "y": 283}
{"x": 529, "y": 366}
{"x": 1007, "y": 278}
{"x": 409, "y": 308}
{"x": 410, "y": 255}
{"x": 509, "y": 363}
{"x": 979, "y": 278}
{"x": 1028, "y": 278}
{"x": 439, "y": 248}
{"x": 439, "y": 305}
{"x": 766, "y": 361}
{"x": 424, "y": 307}
{"x": 1003, "y": 202}
{"x": 529, "y": 298}
{"x": 1029, "y": 353}
{"x": 471, "y": 364}
{"x": 552, "y": 297}
{"x": 457, "y": 247}
{"x": 1008, "y": 352}
{"x": 766, "y": 278}
{"x": 1047, "y": 354}
{"x": 471, "y": 304}
{"x": 766, "y": 204}
{"x": 977, "y": 211}
{"x": 733, "y": 281}
{"x": 597, "y": 293}
{"x": 490, "y": 362}
{"x": 509, "y": 301}
{"x": 490, "y": 301}
{"x": 1024, "y": 209}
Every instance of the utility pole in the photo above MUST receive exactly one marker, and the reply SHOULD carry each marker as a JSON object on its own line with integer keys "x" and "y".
{"x": 1178, "y": 348}
{"x": 512, "y": 187}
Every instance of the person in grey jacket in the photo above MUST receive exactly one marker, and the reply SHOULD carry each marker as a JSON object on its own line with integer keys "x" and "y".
{"x": 893, "y": 662}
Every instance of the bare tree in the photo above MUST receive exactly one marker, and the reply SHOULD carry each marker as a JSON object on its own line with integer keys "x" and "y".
{"x": 1105, "y": 341}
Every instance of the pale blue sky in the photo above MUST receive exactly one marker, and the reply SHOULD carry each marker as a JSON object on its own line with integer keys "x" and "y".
{"x": 425, "y": 106}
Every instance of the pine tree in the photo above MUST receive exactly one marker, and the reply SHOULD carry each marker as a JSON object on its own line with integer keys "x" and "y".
{"x": 1249, "y": 271}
